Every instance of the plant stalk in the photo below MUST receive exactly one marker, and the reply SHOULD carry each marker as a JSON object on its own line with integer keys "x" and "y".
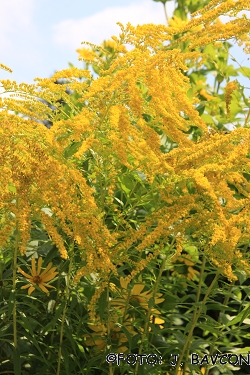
{"x": 195, "y": 319}
{"x": 14, "y": 280}
{"x": 145, "y": 330}
{"x": 65, "y": 309}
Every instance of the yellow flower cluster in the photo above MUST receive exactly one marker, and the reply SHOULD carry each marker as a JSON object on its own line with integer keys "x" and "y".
{"x": 230, "y": 87}
{"x": 4, "y": 67}
{"x": 139, "y": 98}
{"x": 212, "y": 29}
{"x": 86, "y": 54}
{"x": 52, "y": 191}
{"x": 110, "y": 44}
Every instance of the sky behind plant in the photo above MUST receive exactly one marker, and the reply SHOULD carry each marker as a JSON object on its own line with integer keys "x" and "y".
{"x": 39, "y": 37}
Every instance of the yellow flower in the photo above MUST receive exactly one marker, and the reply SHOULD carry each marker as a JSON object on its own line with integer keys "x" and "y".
{"x": 188, "y": 272}
{"x": 4, "y": 67}
{"x": 86, "y": 54}
{"x": 156, "y": 320}
{"x": 206, "y": 95}
{"x": 37, "y": 278}
{"x": 229, "y": 89}
{"x": 117, "y": 337}
{"x": 109, "y": 44}
{"x": 177, "y": 23}
{"x": 136, "y": 295}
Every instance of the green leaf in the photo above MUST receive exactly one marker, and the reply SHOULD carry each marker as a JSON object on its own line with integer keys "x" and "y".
{"x": 200, "y": 109}
{"x": 68, "y": 334}
{"x": 53, "y": 321}
{"x": 32, "y": 307}
{"x": 65, "y": 355}
{"x": 66, "y": 135}
{"x": 180, "y": 337}
{"x": 188, "y": 327}
{"x": 125, "y": 189}
{"x": 245, "y": 71}
{"x": 241, "y": 351}
{"x": 247, "y": 176}
{"x": 71, "y": 149}
{"x": 240, "y": 317}
{"x": 190, "y": 93}
{"x": 160, "y": 342}
{"x": 127, "y": 183}
{"x": 234, "y": 107}
{"x": 12, "y": 188}
{"x": 207, "y": 118}
{"x": 193, "y": 251}
{"x": 51, "y": 255}
{"x": 96, "y": 68}
{"x": 128, "y": 335}
{"x": 197, "y": 344}
{"x": 169, "y": 303}
{"x": 238, "y": 294}
{"x": 209, "y": 50}
{"x": 230, "y": 71}
{"x": 29, "y": 334}
{"x": 180, "y": 12}
{"x": 151, "y": 303}
{"x": 216, "y": 306}
{"x": 206, "y": 327}
{"x": 146, "y": 117}
{"x": 242, "y": 276}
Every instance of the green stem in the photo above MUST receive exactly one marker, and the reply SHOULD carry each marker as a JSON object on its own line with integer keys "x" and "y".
{"x": 227, "y": 297}
{"x": 225, "y": 303}
{"x": 215, "y": 84}
{"x": 1, "y": 273}
{"x": 218, "y": 87}
{"x": 247, "y": 118}
{"x": 53, "y": 326}
{"x": 65, "y": 308}
{"x": 195, "y": 319}
{"x": 196, "y": 301}
{"x": 14, "y": 281}
{"x": 126, "y": 305}
{"x": 145, "y": 330}
{"x": 108, "y": 327}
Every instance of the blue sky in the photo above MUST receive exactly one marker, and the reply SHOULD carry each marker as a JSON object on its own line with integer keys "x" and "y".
{"x": 39, "y": 37}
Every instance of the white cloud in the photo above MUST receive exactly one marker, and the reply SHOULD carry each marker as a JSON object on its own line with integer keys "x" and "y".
{"x": 102, "y": 25}
{"x": 15, "y": 17}
{"x": 21, "y": 40}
